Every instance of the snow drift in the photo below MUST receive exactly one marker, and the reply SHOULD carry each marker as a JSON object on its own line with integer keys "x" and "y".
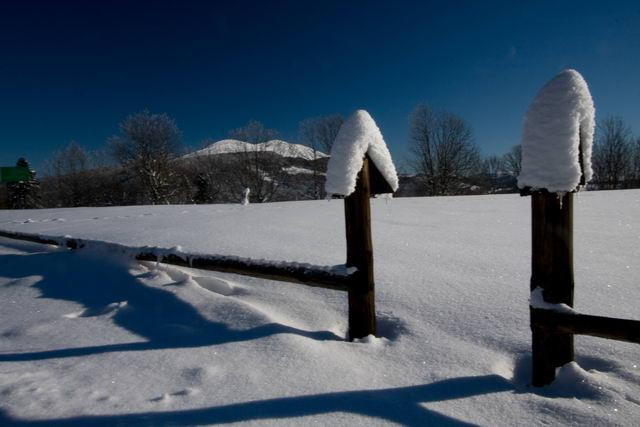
{"x": 359, "y": 135}
{"x": 559, "y": 123}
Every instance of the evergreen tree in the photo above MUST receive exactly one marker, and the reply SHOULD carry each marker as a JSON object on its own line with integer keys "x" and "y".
{"x": 24, "y": 194}
{"x": 202, "y": 195}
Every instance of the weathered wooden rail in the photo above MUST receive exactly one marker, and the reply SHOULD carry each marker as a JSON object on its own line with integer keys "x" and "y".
{"x": 584, "y": 324}
{"x": 308, "y": 275}
{"x": 335, "y": 277}
{"x": 355, "y": 277}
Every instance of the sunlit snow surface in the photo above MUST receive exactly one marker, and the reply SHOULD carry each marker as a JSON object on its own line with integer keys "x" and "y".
{"x": 87, "y": 338}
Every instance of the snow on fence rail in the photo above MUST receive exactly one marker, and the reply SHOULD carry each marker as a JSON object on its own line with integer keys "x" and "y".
{"x": 336, "y": 277}
{"x": 556, "y": 161}
{"x": 360, "y": 166}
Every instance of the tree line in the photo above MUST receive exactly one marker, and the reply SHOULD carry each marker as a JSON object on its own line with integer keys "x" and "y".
{"x": 145, "y": 163}
{"x": 447, "y": 161}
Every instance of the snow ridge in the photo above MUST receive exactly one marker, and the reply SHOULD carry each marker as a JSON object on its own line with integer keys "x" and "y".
{"x": 559, "y": 122}
{"x": 359, "y": 135}
{"x": 283, "y": 148}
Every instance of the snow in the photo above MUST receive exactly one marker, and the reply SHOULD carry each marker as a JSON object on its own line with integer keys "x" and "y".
{"x": 89, "y": 337}
{"x": 592, "y": 385}
{"x": 358, "y": 135}
{"x": 285, "y": 149}
{"x": 160, "y": 254}
{"x": 537, "y": 301}
{"x": 560, "y": 120}
{"x": 294, "y": 170}
{"x": 245, "y": 196}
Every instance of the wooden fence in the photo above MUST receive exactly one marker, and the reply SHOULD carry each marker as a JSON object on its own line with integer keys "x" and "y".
{"x": 354, "y": 277}
{"x": 552, "y": 271}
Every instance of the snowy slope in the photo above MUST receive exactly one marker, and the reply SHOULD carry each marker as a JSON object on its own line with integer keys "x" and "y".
{"x": 92, "y": 339}
{"x": 283, "y": 148}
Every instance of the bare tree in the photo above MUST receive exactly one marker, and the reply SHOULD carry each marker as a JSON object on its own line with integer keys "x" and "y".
{"x": 612, "y": 152}
{"x": 319, "y": 133}
{"x": 254, "y": 132}
{"x": 513, "y": 160}
{"x": 256, "y": 168}
{"x": 443, "y": 150}
{"x": 493, "y": 166}
{"x": 148, "y": 144}
{"x": 210, "y": 177}
{"x": 492, "y": 169}
{"x": 636, "y": 162}
{"x": 69, "y": 176}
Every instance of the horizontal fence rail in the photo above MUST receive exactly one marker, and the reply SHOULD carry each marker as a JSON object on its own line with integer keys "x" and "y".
{"x": 337, "y": 277}
{"x": 584, "y": 324}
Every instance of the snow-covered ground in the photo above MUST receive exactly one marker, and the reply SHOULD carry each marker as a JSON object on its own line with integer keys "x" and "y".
{"x": 89, "y": 338}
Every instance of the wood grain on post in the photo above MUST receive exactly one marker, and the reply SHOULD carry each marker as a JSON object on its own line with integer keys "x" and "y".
{"x": 551, "y": 270}
{"x": 357, "y": 211}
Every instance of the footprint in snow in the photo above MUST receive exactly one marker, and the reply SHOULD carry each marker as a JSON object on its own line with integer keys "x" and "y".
{"x": 167, "y": 397}
{"x": 197, "y": 375}
{"x": 54, "y": 220}
{"x": 156, "y": 276}
{"x": 99, "y": 396}
{"x": 185, "y": 392}
{"x": 214, "y": 284}
{"x": 179, "y": 277}
{"x": 391, "y": 326}
{"x": 164, "y": 397}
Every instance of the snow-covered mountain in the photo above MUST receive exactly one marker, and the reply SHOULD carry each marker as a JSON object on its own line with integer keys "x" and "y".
{"x": 283, "y": 148}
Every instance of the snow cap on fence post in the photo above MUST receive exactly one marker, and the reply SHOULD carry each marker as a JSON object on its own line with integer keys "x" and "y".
{"x": 558, "y": 136}
{"x": 358, "y": 137}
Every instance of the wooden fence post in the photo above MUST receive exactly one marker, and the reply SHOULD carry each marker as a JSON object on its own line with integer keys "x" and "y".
{"x": 551, "y": 270}
{"x": 357, "y": 213}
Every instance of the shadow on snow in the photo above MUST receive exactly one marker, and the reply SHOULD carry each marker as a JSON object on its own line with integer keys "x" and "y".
{"x": 167, "y": 322}
{"x": 400, "y": 405}
{"x": 158, "y": 315}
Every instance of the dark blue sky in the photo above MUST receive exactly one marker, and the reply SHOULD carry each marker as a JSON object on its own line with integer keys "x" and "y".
{"x": 74, "y": 70}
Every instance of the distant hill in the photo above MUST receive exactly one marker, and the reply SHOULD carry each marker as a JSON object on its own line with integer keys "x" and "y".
{"x": 277, "y": 146}
{"x": 283, "y": 171}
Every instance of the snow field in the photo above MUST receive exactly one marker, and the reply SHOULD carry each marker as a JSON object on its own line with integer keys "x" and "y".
{"x": 85, "y": 334}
